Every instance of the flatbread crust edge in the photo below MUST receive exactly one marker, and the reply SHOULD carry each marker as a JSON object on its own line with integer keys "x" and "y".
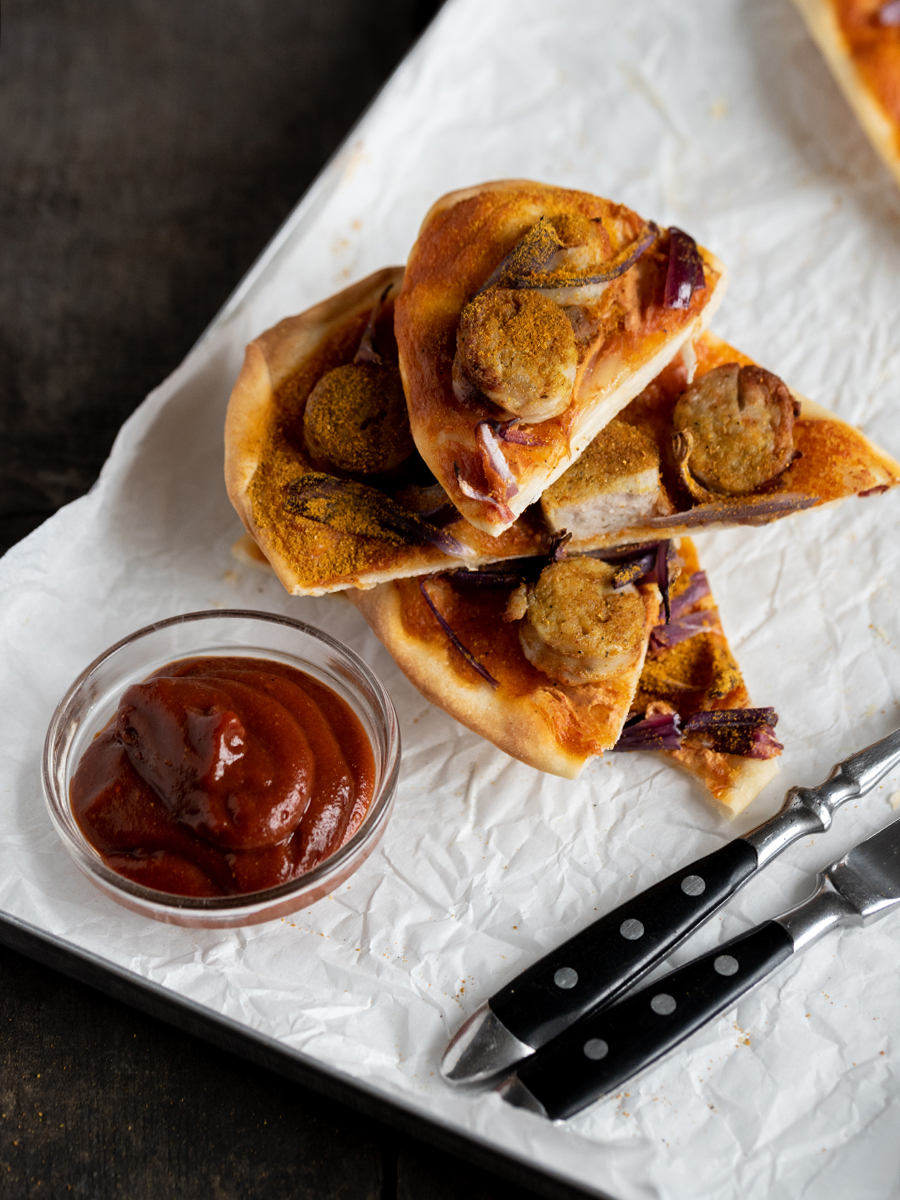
{"x": 823, "y": 27}
{"x": 269, "y": 360}
{"x": 512, "y": 723}
{"x": 749, "y": 777}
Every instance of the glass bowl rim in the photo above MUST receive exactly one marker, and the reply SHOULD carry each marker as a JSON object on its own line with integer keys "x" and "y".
{"x": 379, "y": 809}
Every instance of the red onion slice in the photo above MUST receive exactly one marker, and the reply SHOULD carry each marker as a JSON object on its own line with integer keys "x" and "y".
{"x": 889, "y": 14}
{"x": 644, "y": 563}
{"x": 664, "y": 552}
{"x": 486, "y": 579}
{"x": 659, "y": 732}
{"x": 617, "y": 267}
{"x": 467, "y": 654}
{"x": 696, "y": 590}
{"x": 503, "y": 510}
{"x": 367, "y": 352}
{"x": 685, "y": 272}
{"x": 527, "y": 258}
{"x": 881, "y": 487}
{"x": 524, "y": 266}
{"x": 506, "y": 433}
{"x": 508, "y": 573}
{"x": 747, "y": 732}
{"x": 353, "y": 508}
{"x": 681, "y": 628}
{"x": 496, "y": 468}
{"x": 759, "y": 510}
{"x": 634, "y": 569}
{"x": 559, "y": 547}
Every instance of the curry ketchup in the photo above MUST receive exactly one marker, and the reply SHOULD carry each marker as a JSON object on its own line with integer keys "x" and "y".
{"x": 221, "y": 776}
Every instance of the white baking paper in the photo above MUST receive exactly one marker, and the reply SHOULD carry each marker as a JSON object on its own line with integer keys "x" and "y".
{"x": 719, "y": 117}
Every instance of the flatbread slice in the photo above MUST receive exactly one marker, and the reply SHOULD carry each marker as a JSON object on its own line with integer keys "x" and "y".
{"x": 551, "y": 726}
{"x": 628, "y": 487}
{"x": 340, "y": 532}
{"x": 860, "y": 40}
{"x": 625, "y": 487}
{"x": 558, "y": 728}
{"x": 491, "y": 331}
{"x": 699, "y": 678}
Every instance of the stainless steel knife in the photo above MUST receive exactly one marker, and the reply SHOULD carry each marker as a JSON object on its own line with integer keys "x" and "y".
{"x": 593, "y": 968}
{"x": 599, "y": 1054}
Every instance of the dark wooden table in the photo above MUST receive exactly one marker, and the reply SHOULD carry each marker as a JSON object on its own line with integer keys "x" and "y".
{"x": 151, "y": 148}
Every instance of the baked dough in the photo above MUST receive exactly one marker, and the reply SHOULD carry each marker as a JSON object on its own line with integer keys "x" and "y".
{"x": 835, "y": 461}
{"x": 623, "y": 339}
{"x": 551, "y": 726}
{"x": 863, "y": 52}
{"x": 266, "y": 454}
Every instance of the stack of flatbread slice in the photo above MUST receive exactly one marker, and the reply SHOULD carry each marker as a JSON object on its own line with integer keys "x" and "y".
{"x": 496, "y": 456}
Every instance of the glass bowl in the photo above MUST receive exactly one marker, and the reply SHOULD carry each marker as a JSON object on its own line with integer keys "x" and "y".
{"x": 93, "y": 699}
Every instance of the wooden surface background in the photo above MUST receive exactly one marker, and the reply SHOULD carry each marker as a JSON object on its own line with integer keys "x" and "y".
{"x": 150, "y": 150}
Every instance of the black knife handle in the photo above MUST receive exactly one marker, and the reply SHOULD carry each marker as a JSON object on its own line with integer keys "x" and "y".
{"x": 595, "y": 1057}
{"x": 596, "y": 965}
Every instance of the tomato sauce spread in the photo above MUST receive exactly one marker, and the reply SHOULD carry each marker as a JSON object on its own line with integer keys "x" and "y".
{"x": 221, "y": 776}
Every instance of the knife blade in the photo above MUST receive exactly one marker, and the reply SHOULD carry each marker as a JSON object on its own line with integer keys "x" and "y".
{"x": 593, "y": 968}
{"x": 596, "y": 1056}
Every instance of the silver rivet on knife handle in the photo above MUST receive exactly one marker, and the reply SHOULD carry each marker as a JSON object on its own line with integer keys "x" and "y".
{"x": 810, "y": 810}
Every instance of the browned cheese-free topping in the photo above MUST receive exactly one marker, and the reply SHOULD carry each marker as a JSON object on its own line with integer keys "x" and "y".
{"x": 578, "y": 628}
{"x": 699, "y": 669}
{"x": 518, "y": 349}
{"x": 733, "y": 430}
{"x": 355, "y": 420}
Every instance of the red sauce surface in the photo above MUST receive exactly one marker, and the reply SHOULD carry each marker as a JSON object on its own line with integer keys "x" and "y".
{"x": 220, "y": 776}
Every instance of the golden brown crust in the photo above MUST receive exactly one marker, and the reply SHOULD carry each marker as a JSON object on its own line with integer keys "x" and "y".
{"x": 864, "y": 56}
{"x": 630, "y": 337}
{"x": 553, "y": 727}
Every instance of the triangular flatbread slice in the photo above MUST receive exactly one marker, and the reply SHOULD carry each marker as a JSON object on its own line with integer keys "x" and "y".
{"x": 512, "y": 360}
{"x": 557, "y": 728}
{"x": 323, "y": 541}
{"x": 626, "y": 487}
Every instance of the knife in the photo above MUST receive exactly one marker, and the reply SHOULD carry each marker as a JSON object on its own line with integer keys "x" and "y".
{"x": 597, "y": 965}
{"x": 600, "y": 1053}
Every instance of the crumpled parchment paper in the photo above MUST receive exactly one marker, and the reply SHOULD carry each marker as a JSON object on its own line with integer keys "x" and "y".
{"x": 719, "y": 117}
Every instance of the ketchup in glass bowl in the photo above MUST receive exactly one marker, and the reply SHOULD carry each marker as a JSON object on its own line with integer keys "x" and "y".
{"x": 222, "y": 768}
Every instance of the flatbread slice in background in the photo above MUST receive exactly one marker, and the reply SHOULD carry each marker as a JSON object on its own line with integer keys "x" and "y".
{"x": 861, "y": 44}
